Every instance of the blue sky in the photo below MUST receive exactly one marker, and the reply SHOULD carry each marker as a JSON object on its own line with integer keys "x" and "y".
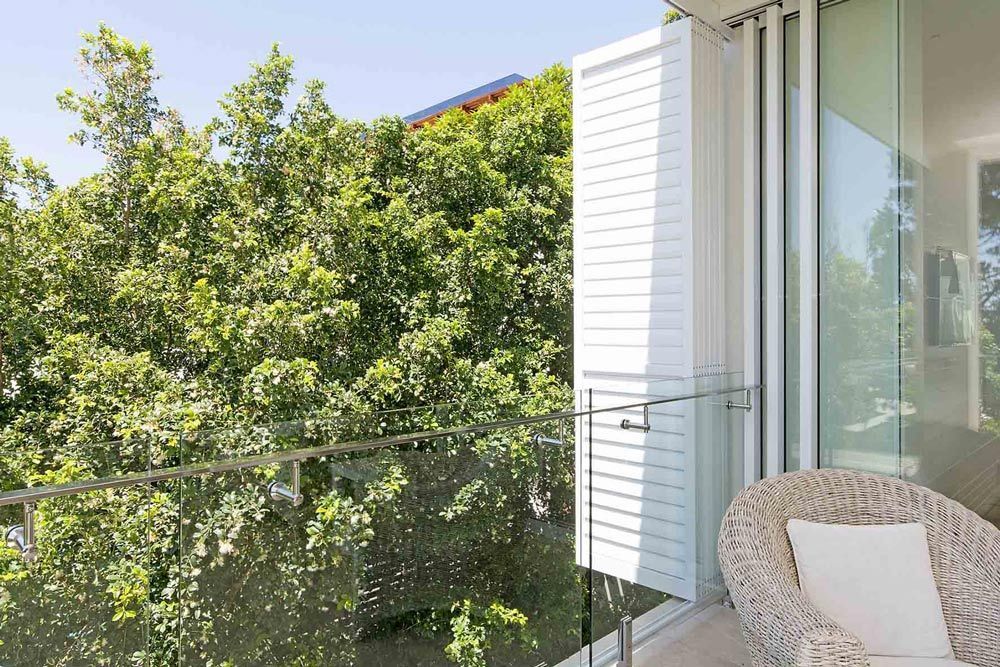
{"x": 376, "y": 57}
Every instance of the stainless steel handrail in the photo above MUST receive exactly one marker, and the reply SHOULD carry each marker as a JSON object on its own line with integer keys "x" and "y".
{"x": 278, "y": 426}
{"x": 35, "y": 494}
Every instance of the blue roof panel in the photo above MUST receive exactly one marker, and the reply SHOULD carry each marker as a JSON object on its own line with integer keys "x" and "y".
{"x": 468, "y": 96}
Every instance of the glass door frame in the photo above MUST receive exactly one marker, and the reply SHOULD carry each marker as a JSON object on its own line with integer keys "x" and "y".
{"x": 763, "y": 201}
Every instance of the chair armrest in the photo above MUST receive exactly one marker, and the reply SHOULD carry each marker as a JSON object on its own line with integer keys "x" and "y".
{"x": 821, "y": 648}
{"x": 784, "y": 628}
{"x": 968, "y": 577}
{"x": 780, "y": 625}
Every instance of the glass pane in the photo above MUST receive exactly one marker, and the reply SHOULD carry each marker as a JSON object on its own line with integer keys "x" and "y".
{"x": 481, "y": 544}
{"x": 950, "y": 210}
{"x": 859, "y": 236}
{"x": 792, "y": 169}
{"x": 223, "y": 444}
{"x": 654, "y": 496}
{"x": 908, "y": 312}
{"x": 255, "y": 587}
{"x": 83, "y": 601}
{"x": 717, "y": 452}
{"x": 659, "y": 390}
{"x": 427, "y": 553}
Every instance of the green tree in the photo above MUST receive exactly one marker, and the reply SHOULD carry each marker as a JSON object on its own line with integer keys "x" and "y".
{"x": 316, "y": 268}
{"x": 119, "y": 111}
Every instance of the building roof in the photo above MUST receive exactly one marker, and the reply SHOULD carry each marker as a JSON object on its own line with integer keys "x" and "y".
{"x": 474, "y": 95}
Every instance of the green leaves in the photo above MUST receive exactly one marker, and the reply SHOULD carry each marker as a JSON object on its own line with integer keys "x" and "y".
{"x": 476, "y": 630}
{"x": 315, "y": 267}
{"x": 119, "y": 109}
{"x": 251, "y": 125}
{"x": 128, "y": 588}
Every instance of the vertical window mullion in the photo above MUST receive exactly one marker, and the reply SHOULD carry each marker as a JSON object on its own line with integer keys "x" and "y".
{"x": 774, "y": 223}
{"x": 809, "y": 253}
{"x": 751, "y": 240}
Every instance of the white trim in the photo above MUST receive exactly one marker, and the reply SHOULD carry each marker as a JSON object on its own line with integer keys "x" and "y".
{"x": 809, "y": 234}
{"x": 634, "y": 46}
{"x": 774, "y": 221}
{"x": 730, "y": 8}
{"x": 583, "y": 395}
{"x": 750, "y": 32}
{"x": 734, "y": 12}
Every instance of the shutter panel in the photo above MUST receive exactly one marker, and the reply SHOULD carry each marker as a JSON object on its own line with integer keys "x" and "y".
{"x": 648, "y": 190}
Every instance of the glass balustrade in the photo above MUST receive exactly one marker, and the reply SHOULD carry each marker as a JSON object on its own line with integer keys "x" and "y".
{"x": 660, "y": 473}
{"x": 458, "y": 534}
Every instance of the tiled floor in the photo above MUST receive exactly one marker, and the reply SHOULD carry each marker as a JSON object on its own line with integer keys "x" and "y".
{"x": 709, "y": 639}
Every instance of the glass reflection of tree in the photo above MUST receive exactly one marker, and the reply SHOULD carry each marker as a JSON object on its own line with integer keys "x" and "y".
{"x": 989, "y": 293}
{"x": 864, "y": 323}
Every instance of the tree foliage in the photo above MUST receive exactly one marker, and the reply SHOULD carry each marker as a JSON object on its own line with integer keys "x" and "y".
{"x": 670, "y": 16}
{"x": 280, "y": 263}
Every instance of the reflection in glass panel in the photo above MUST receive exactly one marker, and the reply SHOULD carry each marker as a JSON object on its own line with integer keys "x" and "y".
{"x": 950, "y": 213}
{"x": 656, "y": 500}
{"x": 859, "y": 236}
{"x": 910, "y": 243}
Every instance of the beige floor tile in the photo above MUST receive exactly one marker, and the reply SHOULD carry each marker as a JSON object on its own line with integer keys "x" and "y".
{"x": 709, "y": 639}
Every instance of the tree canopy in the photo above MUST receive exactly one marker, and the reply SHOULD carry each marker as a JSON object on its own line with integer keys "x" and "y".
{"x": 280, "y": 263}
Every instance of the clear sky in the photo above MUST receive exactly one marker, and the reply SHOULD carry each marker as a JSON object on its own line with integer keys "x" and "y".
{"x": 376, "y": 57}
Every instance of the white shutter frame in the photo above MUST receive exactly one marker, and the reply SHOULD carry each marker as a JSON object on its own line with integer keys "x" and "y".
{"x": 648, "y": 287}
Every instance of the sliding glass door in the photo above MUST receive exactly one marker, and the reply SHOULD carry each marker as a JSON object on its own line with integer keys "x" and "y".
{"x": 950, "y": 248}
{"x": 859, "y": 221}
{"x": 909, "y": 243}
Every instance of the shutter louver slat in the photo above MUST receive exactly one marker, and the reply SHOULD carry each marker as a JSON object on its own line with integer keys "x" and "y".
{"x": 648, "y": 170}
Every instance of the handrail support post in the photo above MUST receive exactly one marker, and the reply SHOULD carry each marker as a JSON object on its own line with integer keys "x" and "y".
{"x": 21, "y": 537}
{"x": 281, "y": 492}
{"x": 746, "y": 405}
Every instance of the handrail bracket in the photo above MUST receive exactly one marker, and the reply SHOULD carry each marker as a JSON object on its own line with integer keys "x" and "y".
{"x": 21, "y": 537}
{"x": 644, "y": 426}
{"x": 283, "y": 493}
{"x": 746, "y": 405}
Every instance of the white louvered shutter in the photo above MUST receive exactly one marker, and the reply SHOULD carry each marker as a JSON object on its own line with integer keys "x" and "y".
{"x": 648, "y": 188}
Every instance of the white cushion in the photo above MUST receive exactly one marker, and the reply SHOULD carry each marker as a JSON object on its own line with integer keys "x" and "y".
{"x": 896, "y": 661}
{"x": 876, "y": 583}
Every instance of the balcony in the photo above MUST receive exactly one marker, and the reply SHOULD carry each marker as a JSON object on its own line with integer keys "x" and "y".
{"x": 450, "y": 534}
{"x": 656, "y": 212}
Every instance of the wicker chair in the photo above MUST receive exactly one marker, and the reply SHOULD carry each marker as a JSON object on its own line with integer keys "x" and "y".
{"x": 779, "y": 624}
